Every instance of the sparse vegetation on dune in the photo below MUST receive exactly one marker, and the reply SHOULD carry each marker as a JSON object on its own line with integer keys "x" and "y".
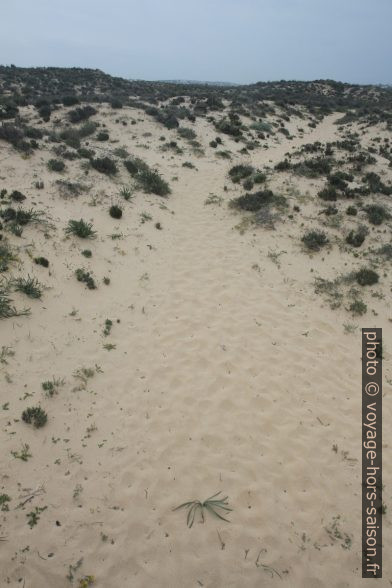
{"x": 277, "y": 216}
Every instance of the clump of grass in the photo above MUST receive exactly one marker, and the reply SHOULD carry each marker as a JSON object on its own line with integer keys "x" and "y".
{"x": 33, "y": 516}
{"x": 186, "y": 133}
{"x": 366, "y": 277}
{"x": 4, "y": 500}
{"x": 152, "y": 183}
{"x": 80, "y": 228}
{"x": 126, "y": 193}
{"x": 7, "y": 256}
{"x": 51, "y": 387}
{"x": 24, "y": 454}
{"x": 56, "y": 165}
{"x": 41, "y": 261}
{"x": 212, "y": 504}
{"x": 29, "y": 286}
{"x": 108, "y": 327}
{"x": 36, "y": 416}
{"x": 85, "y": 278}
{"x": 314, "y": 240}
{"x": 115, "y": 211}
{"x": 7, "y": 310}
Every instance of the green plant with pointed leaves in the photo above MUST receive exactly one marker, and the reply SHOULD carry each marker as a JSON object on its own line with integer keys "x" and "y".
{"x": 212, "y": 504}
{"x": 80, "y": 229}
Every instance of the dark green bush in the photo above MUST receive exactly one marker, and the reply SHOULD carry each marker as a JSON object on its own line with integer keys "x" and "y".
{"x": 104, "y": 165}
{"x": 131, "y": 166}
{"x": 366, "y": 277}
{"x": 240, "y": 171}
{"x": 70, "y": 100}
{"x": 56, "y": 165}
{"x": 314, "y": 240}
{"x": 153, "y": 183}
{"x": 85, "y": 278}
{"x": 80, "y": 114}
{"x": 356, "y": 238}
{"x": 256, "y": 201}
{"x": 103, "y": 136}
{"x": 376, "y": 213}
{"x": 115, "y": 211}
{"x": 328, "y": 193}
{"x": 352, "y": 211}
{"x": 17, "y": 196}
{"x": 35, "y": 415}
{"x": 41, "y": 261}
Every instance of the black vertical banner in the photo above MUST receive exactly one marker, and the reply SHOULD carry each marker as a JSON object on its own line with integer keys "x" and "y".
{"x": 372, "y": 505}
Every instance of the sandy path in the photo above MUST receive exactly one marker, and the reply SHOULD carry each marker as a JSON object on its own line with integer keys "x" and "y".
{"x": 226, "y": 376}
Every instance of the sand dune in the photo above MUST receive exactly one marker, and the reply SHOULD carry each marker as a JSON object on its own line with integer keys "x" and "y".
{"x": 228, "y": 373}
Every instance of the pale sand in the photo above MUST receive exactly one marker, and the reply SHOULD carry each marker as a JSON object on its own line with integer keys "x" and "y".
{"x": 229, "y": 374}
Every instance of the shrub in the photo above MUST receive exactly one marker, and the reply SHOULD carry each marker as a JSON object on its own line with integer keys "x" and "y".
{"x": 256, "y": 201}
{"x": 103, "y": 136}
{"x": 213, "y": 144}
{"x": 13, "y": 135}
{"x": 131, "y": 166}
{"x": 56, "y": 165}
{"x": 351, "y": 211}
{"x": 85, "y": 278}
{"x": 86, "y": 153}
{"x": 314, "y": 240}
{"x": 29, "y": 286}
{"x": 7, "y": 256}
{"x": 376, "y": 214}
{"x": 33, "y": 133}
{"x": 230, "y": 127}
{"x": 328, "y": 193}
{"x": 35, "y": 415}
{"x": 45, "y": 111}
{"x": 248, "y": 184}
{"x": 41, "y": 261}
{"x": 17, "y": 196}
{"x": 6, "y": 308}
{"x": 71, "y": 138}
{"x": 366, "y": 277}
{"x": 358, "y": 308}
{"x": 153, "y": 183}
{"x": 259, "y": 178}
{"x": 70, "y": 100}
{"x": 87, "y": 129}
{"x": 115, "y": 211}
{"x": 104, "y": 165}
{"x": 116, "y": 103}
{"x": 239, "y": 172}
{"x": 80, "y": 114}
{"x": 87, "y": 253}
{"x": 356, "y": 238}
{"x": 284, "y": 165}
{"x": 186, "y": 133}
{"x": 81, "y": 229}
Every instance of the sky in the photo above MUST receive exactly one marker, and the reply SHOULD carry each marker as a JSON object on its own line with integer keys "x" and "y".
{"x": 242, "y": 41}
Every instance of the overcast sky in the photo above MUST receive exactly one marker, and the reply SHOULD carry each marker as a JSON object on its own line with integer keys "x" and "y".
{"x": 214, "y": 40}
